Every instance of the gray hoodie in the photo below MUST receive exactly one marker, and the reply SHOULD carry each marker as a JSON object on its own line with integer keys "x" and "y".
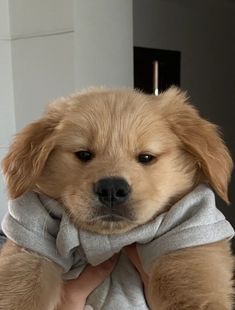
{"x": 40, "y": 224}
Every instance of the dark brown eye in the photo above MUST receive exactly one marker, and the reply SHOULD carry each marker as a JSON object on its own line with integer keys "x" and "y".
{"x": 145, "y": 158}
{"x": 84, "y": 156}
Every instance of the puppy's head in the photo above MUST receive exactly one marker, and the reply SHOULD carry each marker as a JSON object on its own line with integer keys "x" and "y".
{"x": 116, "y": 159}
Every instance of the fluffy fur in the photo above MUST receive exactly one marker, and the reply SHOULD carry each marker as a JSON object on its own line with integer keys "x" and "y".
{"x": 118, "y": 125}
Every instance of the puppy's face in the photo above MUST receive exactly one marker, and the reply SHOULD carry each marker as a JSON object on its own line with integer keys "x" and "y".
{"x": 116, "y": 163}
{"x": 114, "y": 159}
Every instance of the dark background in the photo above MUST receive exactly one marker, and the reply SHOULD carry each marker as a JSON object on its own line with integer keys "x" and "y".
{"x": 203, "y": 32}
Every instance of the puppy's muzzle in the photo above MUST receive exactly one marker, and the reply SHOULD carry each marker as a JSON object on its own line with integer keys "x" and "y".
{"x": 112, "y": 191}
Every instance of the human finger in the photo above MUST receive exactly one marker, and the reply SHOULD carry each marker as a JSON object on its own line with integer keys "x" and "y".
{"x": 91, "y": 277}
{"x": 134, "y": 257}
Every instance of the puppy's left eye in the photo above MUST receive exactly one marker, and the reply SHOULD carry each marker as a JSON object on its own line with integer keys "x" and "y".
{"x": 84, "y": 156}
{"x": 145, "y": 158}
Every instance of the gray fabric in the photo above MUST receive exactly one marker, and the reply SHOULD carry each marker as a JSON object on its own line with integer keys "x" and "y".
{"x": 39, "y": 223}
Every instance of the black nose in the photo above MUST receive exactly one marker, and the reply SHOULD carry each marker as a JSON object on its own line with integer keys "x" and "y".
{"x": 112, "y": 191}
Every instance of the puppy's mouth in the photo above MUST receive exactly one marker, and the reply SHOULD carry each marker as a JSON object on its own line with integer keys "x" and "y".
{"x": 109, "y": 218}
{"x": 105, "y": 214}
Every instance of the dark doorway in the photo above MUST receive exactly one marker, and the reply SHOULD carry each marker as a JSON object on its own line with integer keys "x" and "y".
{"x": 155, "y": 70}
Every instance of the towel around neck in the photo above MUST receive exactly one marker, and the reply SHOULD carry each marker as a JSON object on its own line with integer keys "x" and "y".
{"x": 39, "y": 223}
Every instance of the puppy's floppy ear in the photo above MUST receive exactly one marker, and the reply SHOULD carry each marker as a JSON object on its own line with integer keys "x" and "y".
{"x": 28, "y": 154}
{"x": 200, "y": 138}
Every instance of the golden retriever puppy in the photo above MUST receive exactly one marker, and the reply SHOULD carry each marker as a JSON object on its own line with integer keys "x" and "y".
{"x": 137, "y": 153}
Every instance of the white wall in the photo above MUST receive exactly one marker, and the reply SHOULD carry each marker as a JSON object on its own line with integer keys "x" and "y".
{"x": 4, "y": 19}
{"x": 43, "y": 69}
{"x": 104, "y": 43}
{"x": 33, "y": 18}
{"x": 41, "y": 34}
{"x": 51, "y": 48}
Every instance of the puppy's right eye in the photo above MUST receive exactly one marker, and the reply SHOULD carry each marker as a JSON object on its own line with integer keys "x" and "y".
{"x": 84, "y": 156}
{"x": 145, "y": 158}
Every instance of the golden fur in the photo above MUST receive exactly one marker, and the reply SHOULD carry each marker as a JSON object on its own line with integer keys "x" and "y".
{"x": 117, "y": 125}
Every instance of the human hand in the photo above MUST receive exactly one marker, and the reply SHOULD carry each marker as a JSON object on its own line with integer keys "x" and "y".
{"x": 76, "y": 291}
